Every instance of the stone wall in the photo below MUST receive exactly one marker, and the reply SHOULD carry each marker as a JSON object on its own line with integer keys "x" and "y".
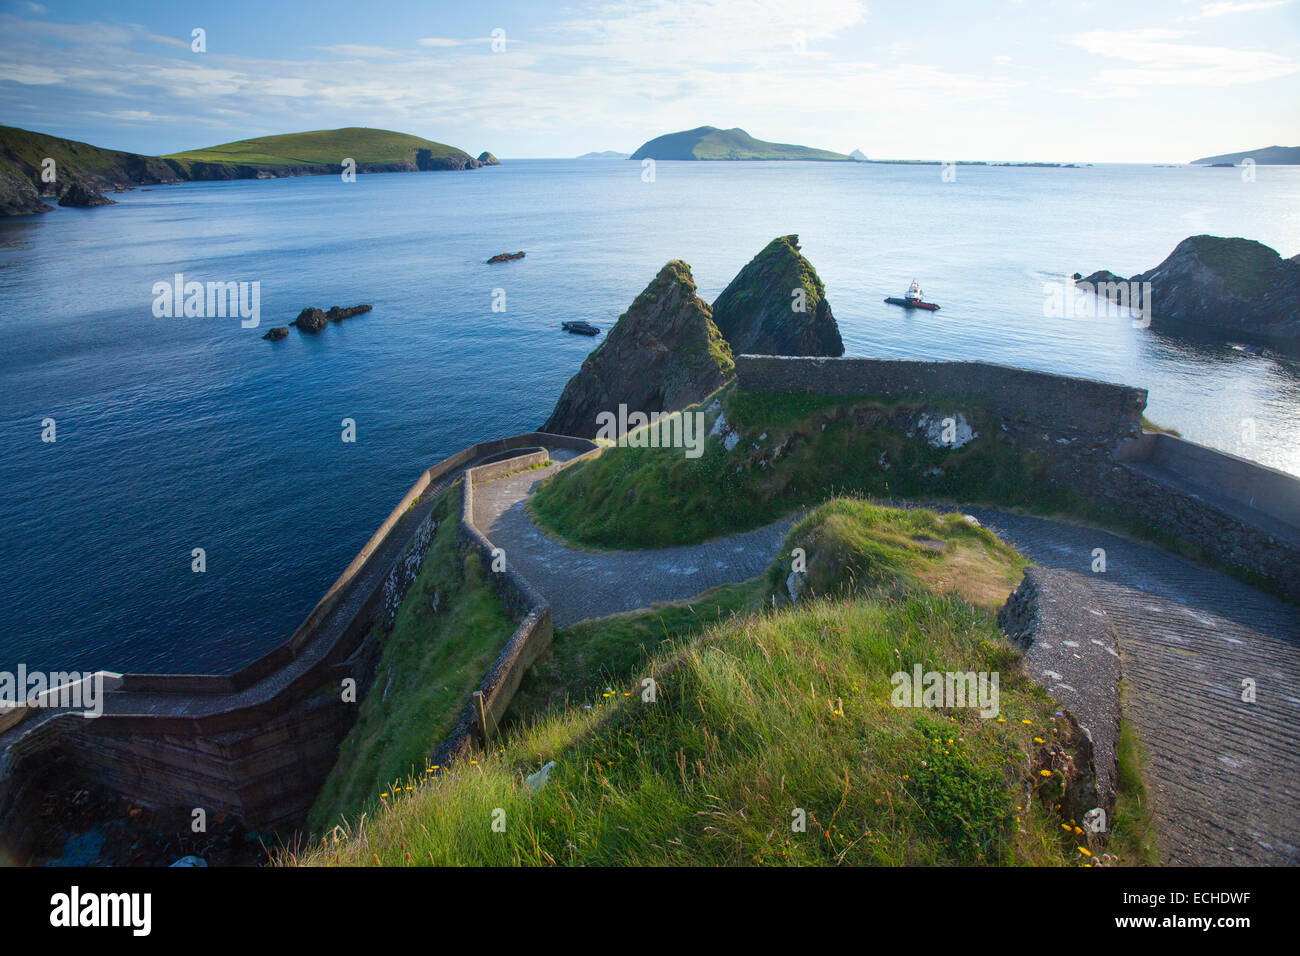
{"x": 257, "y": 743}
{"x": 530, "y": 640}
{"x": 1057, "y": 403}
{"x": 1089, "y": 436}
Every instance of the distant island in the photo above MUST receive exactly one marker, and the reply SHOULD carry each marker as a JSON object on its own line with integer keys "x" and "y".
{"x": 605, "y": 154}
{"x": 711, "y": 143}
{"x": 1267, "y": 156}
{"x": 81, "y": 171}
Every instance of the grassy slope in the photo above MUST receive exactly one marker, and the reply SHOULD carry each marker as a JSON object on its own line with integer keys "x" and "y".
{"x": 69, "y": 155}
{"x": 756, "y": 716}
{"x": 646, "y": 497}
{"x": 708, "y": 142}
{"x": 319, "y": 148}
{"x": 433, "y": 660}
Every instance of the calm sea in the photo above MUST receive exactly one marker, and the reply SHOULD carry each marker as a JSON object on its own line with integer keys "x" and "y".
{"x": 183, "y": 433}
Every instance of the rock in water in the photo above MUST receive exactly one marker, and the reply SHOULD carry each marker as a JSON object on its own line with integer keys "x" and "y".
{"x": 505, "y": 257}
{"x": 1229, "y": 286}
{"x": 277, "y": 333}
{"x": 79, "y": 194}
{"x": 313, "y": 320}
{"x": 487, "y": 159}
{"x": 663, "y": 354}
{"x": 777, "y": 306}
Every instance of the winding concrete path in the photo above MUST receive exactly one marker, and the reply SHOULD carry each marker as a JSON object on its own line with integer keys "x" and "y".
{"x": 1225, "y": 772}
{"x": 586, "y": 584}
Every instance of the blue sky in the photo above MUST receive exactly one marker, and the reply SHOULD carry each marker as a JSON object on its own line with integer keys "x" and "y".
{"x": 1100, "y": 81}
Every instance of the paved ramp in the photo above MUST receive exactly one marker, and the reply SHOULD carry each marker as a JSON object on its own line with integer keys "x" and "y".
{"x": 1225, "y": 772}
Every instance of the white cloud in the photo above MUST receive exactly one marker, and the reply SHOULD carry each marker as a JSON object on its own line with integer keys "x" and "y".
{"x": 1165, "y": 60}
{"x": 1227, "y": 7}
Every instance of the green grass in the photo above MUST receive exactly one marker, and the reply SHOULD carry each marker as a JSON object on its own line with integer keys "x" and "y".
{"x": 848, "y": 545}
{"x": 1133, "y": 834}
{"x": 656, "y": 497}
{"x": 809, "y": 448}
{"x": 1150, "y": 426}
{"x": 762, "y": 717}
{"x": 431, "y": 662}
{"x": 320, "y": 149}
{"x": 587, "y": 657}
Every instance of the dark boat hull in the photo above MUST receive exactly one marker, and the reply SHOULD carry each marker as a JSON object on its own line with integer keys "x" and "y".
{"x": 928, "y": 306}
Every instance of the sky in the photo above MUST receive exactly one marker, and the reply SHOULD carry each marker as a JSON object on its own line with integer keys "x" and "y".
{"x": 1039, "y": 80}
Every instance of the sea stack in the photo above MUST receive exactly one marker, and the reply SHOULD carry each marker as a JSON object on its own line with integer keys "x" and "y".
{"x": 81, "y": 195}
{"x": 1231, "y": 286}
{"x": 663, "y": 354}
{"x": 777, "y": 305}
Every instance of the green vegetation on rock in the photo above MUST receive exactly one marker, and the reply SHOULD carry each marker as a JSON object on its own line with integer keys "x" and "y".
{"x": 663, "y": 353}
{"x": 777, "y": 305}
{"x": 787, "y": 451}
{"x": 323, "y": 151}
{"x": 448, "y": 631}
{"x": 709, "y": 142}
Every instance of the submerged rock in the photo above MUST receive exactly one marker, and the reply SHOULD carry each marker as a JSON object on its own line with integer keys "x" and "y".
{"x": 80, "y": 195}
{"x": 777, "y": 305}
{"x": 663, "y": 354}
{"x": 313, "y": 320}
{"x": 505, "y": 257}
{"x": 1224, "y": 285}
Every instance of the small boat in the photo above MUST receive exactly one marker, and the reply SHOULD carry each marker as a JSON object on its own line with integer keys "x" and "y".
{"x": 914, "y": 299}
{"x": 580, "y": 328}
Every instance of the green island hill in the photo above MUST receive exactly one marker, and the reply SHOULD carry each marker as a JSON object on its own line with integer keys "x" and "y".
{"x": 711, "y": 143}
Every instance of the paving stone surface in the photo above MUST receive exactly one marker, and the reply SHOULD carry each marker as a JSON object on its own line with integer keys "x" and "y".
{"x": 1225, "y": 772}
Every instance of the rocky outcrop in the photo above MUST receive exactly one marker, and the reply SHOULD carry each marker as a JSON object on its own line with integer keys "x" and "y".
{"x": 34, "y": 166}
{"x": 1236, "y": 288}
{"x": 277, "y": 333}
{"x": 777, "y": 305}
{"x": 81, "y": 195}
{"x": 663, "y": 354}
{"x": 313, "y": 320}
{"x": 487, "y": 159}
{"x": 18, "y": 196}
{"x": 505, "y": 257}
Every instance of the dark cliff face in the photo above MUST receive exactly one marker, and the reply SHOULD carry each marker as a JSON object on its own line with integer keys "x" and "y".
{"x": 759, "y": 312}
{"x": 663, "y": 354}
{"x": 81, "y": 194}
{"x": 1235, "y": 287}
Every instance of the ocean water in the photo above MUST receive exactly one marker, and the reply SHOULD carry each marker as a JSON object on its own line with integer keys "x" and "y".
{"x": 180, "y": 433}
